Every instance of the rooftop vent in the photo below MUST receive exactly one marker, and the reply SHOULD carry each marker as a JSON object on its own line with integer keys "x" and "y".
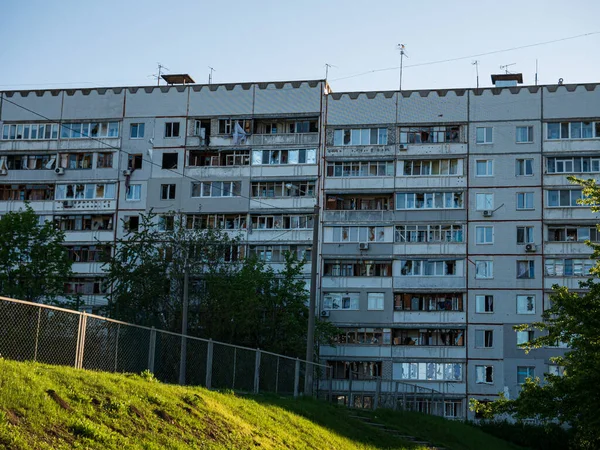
{"x": 507, "y": 79}
{"x": 182, "y": 78}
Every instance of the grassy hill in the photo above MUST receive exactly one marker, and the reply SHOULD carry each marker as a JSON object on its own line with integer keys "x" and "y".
{"x": 52, "y": 407}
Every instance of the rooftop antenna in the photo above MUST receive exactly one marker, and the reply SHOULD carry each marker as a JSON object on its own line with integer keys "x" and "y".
{"x": 505, "y": 67}
{"x": 536, "y": 71}
{"x": 327, "y": 66}
{"x": 402, "y": 49}
{"x": 160, "y": 72}
{"x": 476, "y": 64}
{"x": 210, "y": 74}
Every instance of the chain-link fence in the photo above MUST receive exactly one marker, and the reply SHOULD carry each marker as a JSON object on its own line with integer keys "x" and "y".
{"x": 34, "y": 332}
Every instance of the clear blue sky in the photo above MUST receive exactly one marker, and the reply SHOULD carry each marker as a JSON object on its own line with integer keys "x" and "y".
{"x": 68, "y": 43}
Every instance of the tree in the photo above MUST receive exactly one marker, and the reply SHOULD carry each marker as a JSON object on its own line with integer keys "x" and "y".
{"x": 34, "y": 264}
{"x": 573, "y": 319}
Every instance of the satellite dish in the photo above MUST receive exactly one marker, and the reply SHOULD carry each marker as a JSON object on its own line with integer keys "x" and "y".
{"x": 560, "y": 81}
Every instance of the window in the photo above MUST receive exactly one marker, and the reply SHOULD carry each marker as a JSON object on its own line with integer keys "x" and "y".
{"x": 525, "y": 200}
{"x": 361, "y": 169}
{"x": 136, "y": 131}
{"x": 484, "y": 374}
{"x": 105, "y": 160}
{"x": 524, "y": 337}
{"x": 340, "y": 301}
{"x": 430, "y": 135}
{"x": 89, "y": 130}
{"x": 360, "y": 136}
{"x": 84, "y": 222}
{"x": 525, "y": 269}
{"x": 169, "y": 160}
{"x": 216, "y": 189}
{"x": 572, "y": 130}
{"x": 564, "y": 197}
{"x": 484, "y": 235}
{"x": 228, "y": 126}
{"x": 277, "y": 253}
{"x": 134, "y": 162}
{"x": 132, "y": 223}
{"x": 429, "y": 200}
{"x": 26, "y": 192}
{"x": 523, "y": 373}
{"x": 484, "y": 135}
{"x": 353, "y": 268}
{"x": 283, "y": 157}
{"x": 270, "y": 189}
{"x": 166, "y": 223}
{"x": 167, "y": 191}
{"x": 86, "y": 286}
{"x": 286, "y": 222}
{"x": 556, "y": 370}
{"x": 428, "y": 233}
{"x": 524, "y": 134}
{"x": 172, "y": 129}
{"x": 27, "y": 162}
{"x": 74, "y": 161}
{"x": 525, "y": 304}
{"x": 33, "y": 131}
{"x": 484, "y": 167}
{"x": 223, "y": 221}
{"x": 362, "y": 203}
{"x": 584, "y": 164}
{"x": 484, "y": 269}
{"x": 569, "y": 267}
{"x": 524, "y": 167}
{"x": 202, "y": 158}
{"x": 428, "y": 268}
{"x": 428, "y": 167}
{"x": 85, "y": 191}
{"x": 484, "y": 202}
{"x": 358, "y": 234}
{"x": 134, "y": 192}
{"x": 427, "y": 371}
{"x": 88, "y": 253}
{"x": 429, "y": 337}
{"x": 572, "y": 233}
{"x": 484, "y": 303}
{"x": 428, "y": 302}
{"x": 362, "y": 336}
{"x": 525, "y": 235}
{"x": 484, "y": 338}
{"x": 375, "y": 301}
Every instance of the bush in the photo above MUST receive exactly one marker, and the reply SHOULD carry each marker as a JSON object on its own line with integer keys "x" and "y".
{"x": 542, "y": 437}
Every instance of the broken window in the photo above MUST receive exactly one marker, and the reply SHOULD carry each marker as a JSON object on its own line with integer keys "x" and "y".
{"x": 169, "y": 160}
{"x": 172, "y": 129}
{"x": 167, "y": 191}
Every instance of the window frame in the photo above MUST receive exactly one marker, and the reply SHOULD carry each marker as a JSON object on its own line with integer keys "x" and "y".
{"x": 525, "y": 196}
{"x": 487, "y": 137}
{"x": 482, "y": 305}
{"x": 138, "y": 126}
{"x": 379, "y": 301}
{"x": 170, "y": 128}
{"x": 485, "y": 229}
{"x": 525, "y": 310}
{"x": 489, "y": 168}
{"x": 529, "y": 129}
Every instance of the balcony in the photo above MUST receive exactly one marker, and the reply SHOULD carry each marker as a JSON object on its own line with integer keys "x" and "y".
{"x": 434, "y": 248}
{"x": 433, "y": 149}
{"x": 311, "y": 139}
{"x": 345, "y": 184}
{"x": 574, "y": 145}
{"x": 429, "y": 317}
{"x": 286, "y": 203}
{"x": 356, "y": 282}
{"x": 61, "y": 145}
{"x": 217, "y": 172}
{"x": 89, "y": 236}
{"x": 418, "y": 282}
{"x": 77, "y": 205}
{"x": 339, "y": 216}
{"x": 567, "y": 248}
{"x": 572, "y": 283}
{"x": 356, "y": 351}
{"x": 442, "y": 182}
{"x": 280, "y": 235}
{"x": 360, "y": 150}
{"x": 428, "y": 352}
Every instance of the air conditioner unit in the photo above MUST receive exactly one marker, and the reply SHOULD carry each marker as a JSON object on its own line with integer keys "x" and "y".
{"x": 126, "y": 172}
{"x": 488, "y": 213}
{"x": 403, "y": 147}
{"x": 3, "y": 172}
{"x": 324, "y": 313}
{"x": 68, "y": 204}
{"x": 530, "y": 248}
{"x": 59, "y": 171}
{"x": 363, "y": 246}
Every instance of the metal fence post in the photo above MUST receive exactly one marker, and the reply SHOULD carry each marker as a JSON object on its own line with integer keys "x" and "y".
{"x": 209, "y": 361}
{"x": 37, "y": 334}
{"x": 151, "y": 350}
{"x": 117, "y": 345}
{"x": 296, "y": 378}
{"x": 234, "y": 367}
{"x": 79, "y": 349}
{"x": 257, "y": 372}
{"x": 277, "y": 376}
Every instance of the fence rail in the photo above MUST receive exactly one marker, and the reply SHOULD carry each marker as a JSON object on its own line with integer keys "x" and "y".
{"x": 53, "y": 335}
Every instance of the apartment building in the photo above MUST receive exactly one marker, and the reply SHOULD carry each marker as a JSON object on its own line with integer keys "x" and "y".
{"x": 446, "y": 215}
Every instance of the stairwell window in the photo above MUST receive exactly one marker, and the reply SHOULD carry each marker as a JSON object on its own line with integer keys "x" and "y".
{"x": 484, "y": 135}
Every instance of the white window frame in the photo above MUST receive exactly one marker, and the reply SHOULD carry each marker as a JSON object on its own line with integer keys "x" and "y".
{"x": 528, "y": 235}
{"x": 484, "y": 201}
{"x": 530, "y": 373}
{"x": 525, "y": 304}
{"x": 484, "y": 269}
{"x": 488, "y": 167}
{"x": 137, "y": 126}
{"x": 529, "y": 273}
{"x": 524, "y": 337}
{"x": 483, "y": 306}
{"x": 481, "y": 337}
{"x": 482, "y": 232}
{"x": 484, "y": 135}
{"x": 521, "y": 167}
{"x": 481, "y": 374}
{"x": 170, "y": 134}
{"x": 133, "y": 193}
{"x": 525, "y": 196}
{"x": 529, "y": 132}
{"x": 338, "y": 301}
{"x": 375, "y": 301}
{"x": 429, "y": 200}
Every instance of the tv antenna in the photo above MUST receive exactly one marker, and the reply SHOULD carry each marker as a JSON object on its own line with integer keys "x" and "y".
{"x": 505, "y": 67}
{"x": 476, "y": 64}
{"x": 212, "y": 69}
{"x": 402, "y": 49}
{"x": 327, "y": 66}
{"x": 161, "y": 69}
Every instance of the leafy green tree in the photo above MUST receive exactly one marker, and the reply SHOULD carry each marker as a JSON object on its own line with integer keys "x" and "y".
{"x": 573, "y": 319}
{"x": 34, "y": 264}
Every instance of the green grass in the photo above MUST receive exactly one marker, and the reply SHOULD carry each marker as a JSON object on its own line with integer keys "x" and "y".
{"x": 125, "y": 411}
